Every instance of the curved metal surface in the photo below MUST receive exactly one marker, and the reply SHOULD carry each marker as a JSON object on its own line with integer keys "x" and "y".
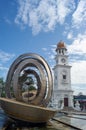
{"x": 44, "y": 68}
{"x": 17, "y": 91}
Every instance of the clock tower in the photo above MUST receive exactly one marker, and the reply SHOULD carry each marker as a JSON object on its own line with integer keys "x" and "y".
{"x": 63, "y": 94}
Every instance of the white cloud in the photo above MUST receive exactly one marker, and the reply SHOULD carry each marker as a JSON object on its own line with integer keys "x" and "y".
{"x": 77, "y": 54}
{"x": 50, "y": 55}
{"x": 79, "y": 16}
{"x": 43, "y": 15}
{"x": 3, "y": 71}
{"x": 64, "y": 8}
{"x": 79, "y": 45}
{"x": 4, "y": 57}
{"x": 53, "y": 46}
{"x": 44, "y": 49}
{"x": 79, "y": 88}
{"x": 78, "y": 72}
{"x": 70, "y": 35}
{"x": 2, "y": 68}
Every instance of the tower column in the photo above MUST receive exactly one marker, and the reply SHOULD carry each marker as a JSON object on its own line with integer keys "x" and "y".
{"x": 63, "y": 94}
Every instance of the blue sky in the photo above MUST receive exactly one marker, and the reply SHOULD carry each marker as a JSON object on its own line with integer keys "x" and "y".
{"x": 37, "y": 26}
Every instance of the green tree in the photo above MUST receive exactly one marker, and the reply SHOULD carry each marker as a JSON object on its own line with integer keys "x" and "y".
{"x": 2, "y": 81}
{"x": 2, "y": 87}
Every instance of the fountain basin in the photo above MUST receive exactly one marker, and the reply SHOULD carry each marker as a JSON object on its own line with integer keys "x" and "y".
{"x": 25, "y": 112}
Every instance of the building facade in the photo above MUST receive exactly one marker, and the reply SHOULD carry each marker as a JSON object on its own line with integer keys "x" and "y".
{"x": 62, "y": 94}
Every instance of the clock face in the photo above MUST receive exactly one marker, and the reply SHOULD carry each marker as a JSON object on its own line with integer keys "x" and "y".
{"x": 63, "y": 60}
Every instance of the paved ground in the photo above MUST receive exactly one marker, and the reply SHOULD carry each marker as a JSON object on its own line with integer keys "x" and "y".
{"x": 77, "y": 119}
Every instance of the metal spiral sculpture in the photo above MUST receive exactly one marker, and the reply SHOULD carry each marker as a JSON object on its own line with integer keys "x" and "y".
{"x": 26, "y": 65}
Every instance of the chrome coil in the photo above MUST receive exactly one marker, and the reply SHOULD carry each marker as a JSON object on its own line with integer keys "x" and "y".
{"x": 26, "y": 65}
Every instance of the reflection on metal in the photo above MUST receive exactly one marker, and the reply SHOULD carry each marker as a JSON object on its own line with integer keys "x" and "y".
{"x": 27, "y": 63}
{"x": 28, "y": 88}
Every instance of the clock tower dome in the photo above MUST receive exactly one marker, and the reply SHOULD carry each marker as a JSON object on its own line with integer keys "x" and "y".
{"x": 63, "y": 94}
{"x": 61, "y": 57}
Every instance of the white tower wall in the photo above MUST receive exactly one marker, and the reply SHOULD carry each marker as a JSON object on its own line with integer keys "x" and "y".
{"x": 62, "y": 94}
